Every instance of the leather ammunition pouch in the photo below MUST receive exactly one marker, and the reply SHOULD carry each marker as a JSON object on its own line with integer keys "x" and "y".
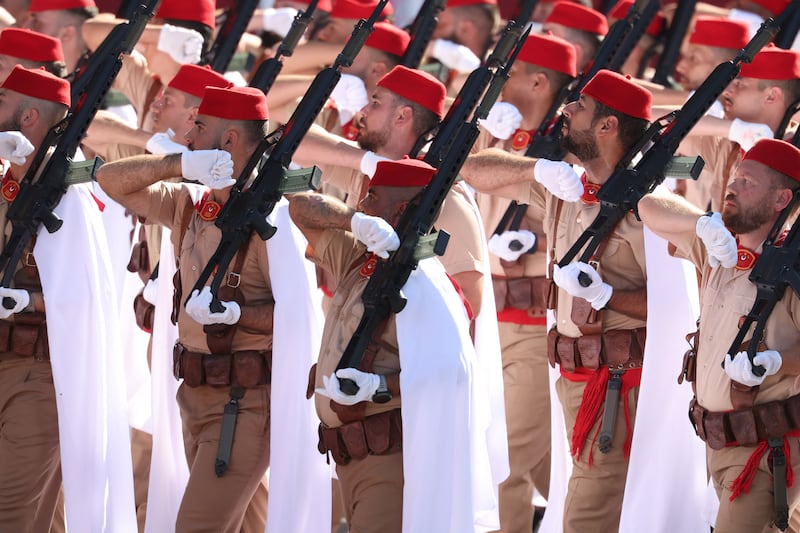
{"x": 621, "y": 349}
{"x": 527, "y": 294}
{"x": 380, "y": 434}
{"x": 26, "y": 336}
{"x": 745, "y": 427}
{"x": 144, "y": 312}
{"x": 247, "y": 368}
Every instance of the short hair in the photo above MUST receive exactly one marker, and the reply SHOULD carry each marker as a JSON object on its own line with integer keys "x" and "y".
{"x": 56, "y": 68}
{"x": 254, "y": 130}
{"x": 486, "y": 18}
{"x": 630, "y": 128}
{"x": 790, "y": 88}
{"x": 204, "y": 30}
{"x": 558, "y": 80}
{"x": 391, "y": 60}
{"x": 424, "y": 119}
{"x": 83, "y": 13}
{"x": 589, "y": 41}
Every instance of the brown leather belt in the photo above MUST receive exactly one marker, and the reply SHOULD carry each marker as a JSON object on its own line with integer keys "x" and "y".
{"x": 25, "y": 337}
{"x": 528, "y": 294}
{"x": 621, "y": 349}
{"x": 745, "y": 427}
{"x": 380, "y": 434}
{"x": 247, "y": 368}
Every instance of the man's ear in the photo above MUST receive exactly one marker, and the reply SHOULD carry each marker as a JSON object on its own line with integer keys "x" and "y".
{"x": 608, "y": 125}
{"x": 230, "y": 138}
{"x": 29, "y": 118}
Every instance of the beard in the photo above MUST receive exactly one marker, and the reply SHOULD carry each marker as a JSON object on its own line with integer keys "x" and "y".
{"x": 14, "y": 123}
{"x": 373, "y": 140}
{"x": 747, "y": 220}
{"x": 581, "y": 143}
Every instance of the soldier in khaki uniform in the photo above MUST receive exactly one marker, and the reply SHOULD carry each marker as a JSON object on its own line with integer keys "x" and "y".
{"x": 545, "y": 64}
{"x": 222, "y": 357}
{"x": 741, "y": 416}
{"x": 601, "y": 327}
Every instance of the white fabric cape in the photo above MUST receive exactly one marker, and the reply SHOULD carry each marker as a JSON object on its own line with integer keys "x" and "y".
{"x": 446, "y": 466}
{"x": 89, "y": 380}
{"x": 665, "y": 488}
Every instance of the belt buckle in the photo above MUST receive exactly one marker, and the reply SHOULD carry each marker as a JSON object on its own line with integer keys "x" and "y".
{"x": 233, "y": 280}
{"x": 30, "y": 260}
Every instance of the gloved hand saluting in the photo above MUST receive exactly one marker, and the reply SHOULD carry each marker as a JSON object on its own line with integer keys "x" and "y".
{"x": 502, "y": 121}
{"x": 163, "y": 143}
{"x": 14, "y": 147}
{"x": 198, "y": 307}
{"x": 278, "y": 20}
{"x": 718, "y": 240}
{"x": 367, "y": 385}
{"x": 739, "y": 368}
{"x": 455, "y": 56}
{"x": 20, "y": 297}
{"x": 212, "y": 168}
{"x": 376, "y": 233}
{"x": 748, "y": 134}
{"x": 511, "y": 244}
{"x": 598, "y": 293}
{"x": 559, "y": 178}
{"x": 181, "y": 44}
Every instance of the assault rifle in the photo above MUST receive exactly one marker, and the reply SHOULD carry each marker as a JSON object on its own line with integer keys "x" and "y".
{"x": 422, "y": 31}
{"x": 546, "y": 142}
{"x": 268, "y": 71}
{"x": 788, "y": 31}
{"x": 640, "y": 22}
{"x": 246, "y": 211}
{"x": 626, "y": 186}
{"x": 467, "y": 99}
{"x": 383, "y": 292}
{"x": 672, "y": 47}
{"x": 237, "y": 18}
{"x": 38, "y": 198}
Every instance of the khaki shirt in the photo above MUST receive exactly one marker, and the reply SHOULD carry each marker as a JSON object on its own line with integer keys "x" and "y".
{"x": 167, "y": 202}
{"x": 726, "y": 295}
{"x": 336, "y": 251}
{"x": 622, "y": 264}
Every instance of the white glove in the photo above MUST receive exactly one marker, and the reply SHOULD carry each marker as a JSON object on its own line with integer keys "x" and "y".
{"x": 278, "y": 20}
{"x": 502, "y": 245}
{"x": 182, "y": 45}
{"x": 748, "y": 133}
{"x": 162, "y": 143}
{"x": 14, "y": 147}
{"x": 559, "y": 178}
{"x": 719, "y": 242}
{"x": 367, "y": 385}
{"x": 350, "y": 95}
{"x": 150, "y": 291}
{"x": 739, "y": 368}
{"x": 212, "y": 168}
{"x": 20, "y": 297}
{"x": 502, "y": 121}
{"x": 455, "y": 56}
{"x": 598, "y": 293}
{"x": 369, "y": 163}
{"x": 199, "y": 308}
{"x": 376, "y": 233}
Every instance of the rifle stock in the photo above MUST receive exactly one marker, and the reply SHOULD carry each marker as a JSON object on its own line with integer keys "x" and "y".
{"x": 246, "y": 210}
{"x": 383, "y": 292}
{"x": 626, "y": 186}
{"x": 45, "y": 182}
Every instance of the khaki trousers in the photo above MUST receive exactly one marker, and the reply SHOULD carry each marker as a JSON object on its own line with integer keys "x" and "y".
{"x": 751, "y": 512}
{"x": 527, "y": 402}
{"x": 30, "y": 460}
{"x": 594, "y": 493}
{"x": 238, "y": 499}
{"x": 372, "y": 490}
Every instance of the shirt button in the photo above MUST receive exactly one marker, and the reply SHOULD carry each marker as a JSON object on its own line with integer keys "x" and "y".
{"x": 194, "y": 267}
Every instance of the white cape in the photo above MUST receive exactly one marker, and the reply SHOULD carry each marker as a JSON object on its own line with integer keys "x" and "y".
{"x": 85, "y": 352}
{"x": 448, "y": 482}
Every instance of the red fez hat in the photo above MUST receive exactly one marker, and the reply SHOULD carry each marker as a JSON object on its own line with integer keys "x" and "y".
{"x": 623, "y": 6}
{"x": 721, "y": 32}
{"x": 551, "y": 52}
{"x": 773, "y": 63}
{"x": 388, "y": 38}
{"x": 404, "y": 173}
{"x": 778, "y": 155}
{"x": 773, "y": 6}
{"x": 234, "y": 103}
{"x": 358, "y": 9}
{"x": 322, "y": 5}
{"x": 417, "y": 86}
{"x": 619, "y": 93}
{"x": 201, "y": 11}
{"x": 578, "y": 17}
{"x": 52, "y": 5}
{"x": 462, "y": 3}
{"x": 30, "y": 45}
{"x": 193, "y": 79}
{"x": 38, "y": 83}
